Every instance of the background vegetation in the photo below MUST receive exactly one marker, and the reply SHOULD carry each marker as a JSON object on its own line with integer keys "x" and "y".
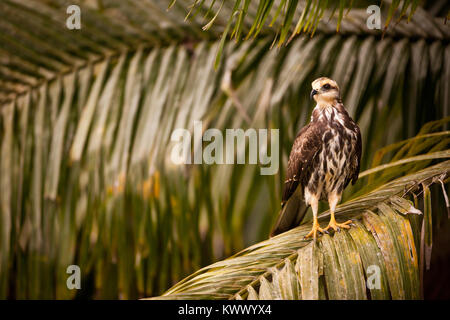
{"x": 86, "y": 118}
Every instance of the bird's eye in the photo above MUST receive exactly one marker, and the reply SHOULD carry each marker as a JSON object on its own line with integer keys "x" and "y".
{"x": 327, "y": 86}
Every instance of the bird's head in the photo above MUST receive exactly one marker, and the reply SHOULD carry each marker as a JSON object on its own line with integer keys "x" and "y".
{"x": 325, "y": 91}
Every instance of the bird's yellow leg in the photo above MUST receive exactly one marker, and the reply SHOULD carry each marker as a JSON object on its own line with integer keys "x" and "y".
{"x": 333, "y": 200}
{"x": 316, "y": 227}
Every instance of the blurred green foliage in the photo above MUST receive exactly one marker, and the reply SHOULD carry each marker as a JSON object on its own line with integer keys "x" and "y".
{"x": 86, "y": 119}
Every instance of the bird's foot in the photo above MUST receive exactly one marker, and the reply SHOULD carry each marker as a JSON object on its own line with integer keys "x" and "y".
{"x": 338, "y": 226}
{"x": 313, "y": 233}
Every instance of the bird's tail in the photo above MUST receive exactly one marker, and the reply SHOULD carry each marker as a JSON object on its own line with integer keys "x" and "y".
{"x": 291, "y": 214}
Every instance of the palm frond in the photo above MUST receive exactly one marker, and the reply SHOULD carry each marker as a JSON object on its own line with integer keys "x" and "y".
{"x": 337, "y": 267}
{"x": 86, "y": 119}
{"x": 295, "y": 17}
{"x": 307, "y": 14}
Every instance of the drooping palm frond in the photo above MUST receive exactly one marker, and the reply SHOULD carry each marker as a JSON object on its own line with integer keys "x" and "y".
{"x": 378, "y": 258}
{"x": 86, "y": 119}
{"x": 247, "y": 19}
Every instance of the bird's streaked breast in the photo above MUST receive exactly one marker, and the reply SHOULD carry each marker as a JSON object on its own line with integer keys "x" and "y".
{"x": 333, "y": 165}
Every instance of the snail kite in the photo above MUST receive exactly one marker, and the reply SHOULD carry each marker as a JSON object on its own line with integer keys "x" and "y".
{"x": 325, "y": 157}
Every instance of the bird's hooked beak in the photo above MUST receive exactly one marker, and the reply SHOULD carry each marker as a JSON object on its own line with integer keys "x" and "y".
{"x": 313, "y": 92}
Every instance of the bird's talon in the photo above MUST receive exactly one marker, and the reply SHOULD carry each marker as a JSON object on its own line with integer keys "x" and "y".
{"x": 313, "y": 233}
{"x": 337, "y": 227}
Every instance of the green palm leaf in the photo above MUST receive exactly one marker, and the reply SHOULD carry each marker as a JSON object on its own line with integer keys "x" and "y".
{"x": 336, "y": 267}
{"x": 86, "y": 118}
{"x": 251, "y": 17}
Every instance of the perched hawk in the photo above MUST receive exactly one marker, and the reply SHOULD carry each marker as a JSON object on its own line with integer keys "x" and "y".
{"x": 325, "y": 157}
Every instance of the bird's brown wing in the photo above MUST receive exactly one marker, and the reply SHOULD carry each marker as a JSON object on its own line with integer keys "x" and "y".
{"x": 356, "y": 159}
{"x": 307, "y": 145}
{"x": 357, "y": 154}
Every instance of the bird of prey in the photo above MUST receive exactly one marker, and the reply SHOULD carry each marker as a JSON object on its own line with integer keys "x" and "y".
{"x": 325, "y": 157}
